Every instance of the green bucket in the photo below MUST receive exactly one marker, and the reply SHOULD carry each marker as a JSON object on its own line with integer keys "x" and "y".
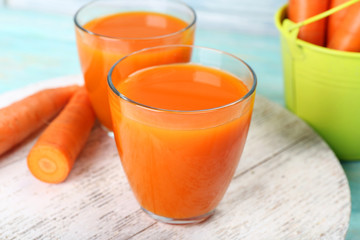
{"x": 322, "y": 86}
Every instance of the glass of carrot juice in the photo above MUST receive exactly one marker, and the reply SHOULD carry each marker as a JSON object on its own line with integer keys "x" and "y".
{"x": 181, "y": 115}
{"x": 110, "y": 29}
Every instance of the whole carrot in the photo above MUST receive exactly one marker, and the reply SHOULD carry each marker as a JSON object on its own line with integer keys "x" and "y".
{"x": 335, "y": 19}
{"x": 53, "y": 156}
{"x": 299, "y": 10}
{"x": 347, "y": 36}
{"x": 20, "y": 119}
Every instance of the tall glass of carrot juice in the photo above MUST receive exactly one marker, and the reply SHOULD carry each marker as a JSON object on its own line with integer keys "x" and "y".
{"x": 107, "y": 30}
{"x": 181, "y": 115}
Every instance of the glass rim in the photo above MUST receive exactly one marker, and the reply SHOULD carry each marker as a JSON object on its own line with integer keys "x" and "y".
{"x": 188, "y": 26}
{"x": 249, "y": 93}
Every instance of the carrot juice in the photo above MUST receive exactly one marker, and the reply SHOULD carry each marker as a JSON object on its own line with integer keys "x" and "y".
{"x": 180, "y": 130}
{"x": 103, "y": 40}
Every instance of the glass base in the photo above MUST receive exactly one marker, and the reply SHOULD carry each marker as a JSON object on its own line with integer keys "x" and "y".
{"x": 109, "y": 132}
{"x": 180, "y": 221}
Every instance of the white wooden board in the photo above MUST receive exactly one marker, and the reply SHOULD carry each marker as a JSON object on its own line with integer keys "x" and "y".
{"x": 289, "y": 185}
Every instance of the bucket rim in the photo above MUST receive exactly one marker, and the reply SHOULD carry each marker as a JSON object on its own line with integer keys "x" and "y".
{"x": 278, "y": 22}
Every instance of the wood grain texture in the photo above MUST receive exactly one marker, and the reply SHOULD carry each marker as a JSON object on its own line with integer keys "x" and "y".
{"x": 288, "y": 185}
{"x": 240, "y": 15}
{"x": 35, "y": 46}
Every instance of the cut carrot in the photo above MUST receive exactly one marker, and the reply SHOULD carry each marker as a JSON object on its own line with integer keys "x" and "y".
{"x": 53, "y": 156}
{"x": 20, "y": 119}
{"x": 299, "y": 10}
{"x": 336, "y": 18}
{"x": 347, "y": 36}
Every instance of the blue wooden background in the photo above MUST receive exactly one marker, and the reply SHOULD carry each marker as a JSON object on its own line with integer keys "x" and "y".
{"x": 37, "y": 43}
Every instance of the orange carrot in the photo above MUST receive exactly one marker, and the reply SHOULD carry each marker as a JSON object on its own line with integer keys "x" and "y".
{"x": 347, "y": 36}
{"x": 299, "y": 10}
{"x": 336, "y": 18}
{"x": 20, "y": 119}
{"x": 53, "y": 156}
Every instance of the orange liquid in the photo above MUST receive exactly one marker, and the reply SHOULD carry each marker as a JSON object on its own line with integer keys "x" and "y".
{"x": 136, "y": 25}
{"x": 180, "y": 165}
{"x": 124, "y": 33}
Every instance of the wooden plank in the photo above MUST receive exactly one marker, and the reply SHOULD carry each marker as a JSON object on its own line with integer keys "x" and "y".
{"x": 37, "y": 52}
{"x": 68, "y": 7}
{"x": 240, "y": 15}
{"x": 35, "y": 47}
{"x": 289, "y": 185}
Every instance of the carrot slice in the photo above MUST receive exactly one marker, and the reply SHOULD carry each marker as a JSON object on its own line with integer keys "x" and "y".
{"x": 53, "y": 156}
{"x": 336, "y": 18}
{"x": 299, "y": 10}
{"x": 20, "y": 119}
{"x": 347, "y": 35}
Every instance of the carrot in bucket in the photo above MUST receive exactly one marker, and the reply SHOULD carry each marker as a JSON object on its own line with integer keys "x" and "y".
{"x": 335, "y": 19}
{"x": 347, "y": 35}
{"x": 53, "y": 156}
{"x": 299, "y": 10}
{"x": 352, "y": 29}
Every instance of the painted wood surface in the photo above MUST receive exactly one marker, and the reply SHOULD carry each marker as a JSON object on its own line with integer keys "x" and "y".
{"x": 37, "y": 46}
{"x": 251, "y": 16}
{"x": 288, "y": 185}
